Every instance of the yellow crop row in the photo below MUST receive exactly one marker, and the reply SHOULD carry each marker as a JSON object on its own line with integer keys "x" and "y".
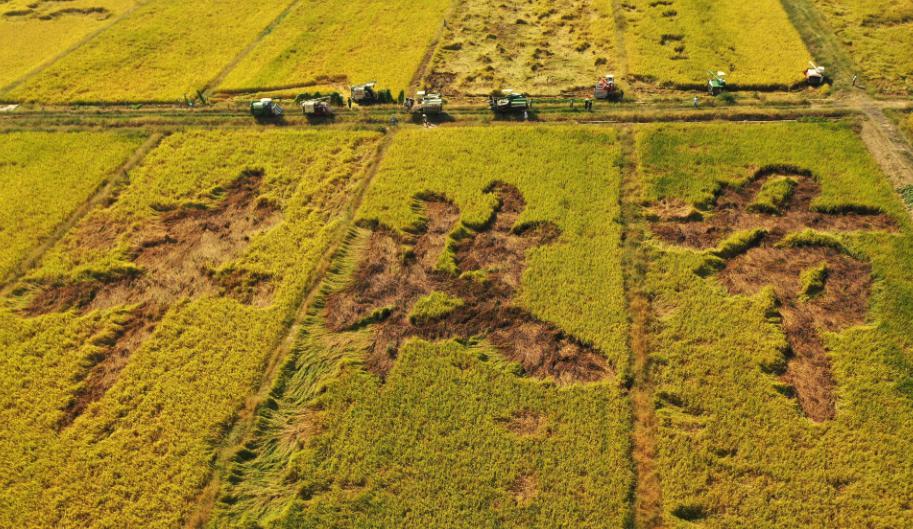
{"x": 431, "y": 445}
{"x": 159, "y": 52}
{"x": 341, "y": 43}
{"x": 139, "y": 455}
{"x": 46, "y": 177}
{"x": 676, "y": 42}
{"x": 734, "y": 448}
{"x": 25, "y": 26}
{"x": 879, "y": 36}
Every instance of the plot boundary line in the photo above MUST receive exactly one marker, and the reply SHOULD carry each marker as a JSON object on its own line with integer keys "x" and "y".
{"x": 201, "y": 507}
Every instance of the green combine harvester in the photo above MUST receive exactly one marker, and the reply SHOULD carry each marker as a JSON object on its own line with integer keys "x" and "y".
{"x": 505, "y": 101}
{"x": 265, "y": 108}
{"x": 717, "y": 83}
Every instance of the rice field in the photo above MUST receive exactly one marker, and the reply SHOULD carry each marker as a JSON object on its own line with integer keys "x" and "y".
{"x": 676, "y": 42}
{"x": 544, "y": 48}
{"x": 131, "y": 348}
{"x": 878, "y": 35}
{"x": 160, "y": 51}
{"x": 450, "y": 432}
{"x": 46, "y": 178}
{"x": 739, "y": 443}
{"x": 337, "y": 44}
{"x": 26, "y": 24}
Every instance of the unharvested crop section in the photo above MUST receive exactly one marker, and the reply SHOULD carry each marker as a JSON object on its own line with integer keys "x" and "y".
{"x": 159, "y": 52}
{"x": 780, "y": 306}
{"x": 131, "y": 348}
{"x": 879, "y": 36}
{"x": 45, "y": 178}
{"x": 535, "y": 46}
{"x": 25, "y": 26}
{"x": 676, "y": 42}
{"x": 337, "y": 44}
{"x": 464, "y": 364}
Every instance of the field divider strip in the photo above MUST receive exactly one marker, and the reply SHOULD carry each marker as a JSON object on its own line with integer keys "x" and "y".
{"x": 238, "y": 432}
{"x": 73, "y": 47}
{"x": 250, "y": 47}
{"x": 648, "y": 497}
{"x": 107, "y": 190}
{"x": 421, "y": 71}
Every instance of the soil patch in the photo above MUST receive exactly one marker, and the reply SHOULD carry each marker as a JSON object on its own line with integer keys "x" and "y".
{"x": 526, "y": 423}
{"x": 525, "y": 488}
{"x": 395, "y": 272}
{"x": 843, "y": 297}
{"x": 175, "y": 255}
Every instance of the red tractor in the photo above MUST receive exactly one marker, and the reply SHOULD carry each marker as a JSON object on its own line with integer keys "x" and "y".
{"x": 606, "y": 88}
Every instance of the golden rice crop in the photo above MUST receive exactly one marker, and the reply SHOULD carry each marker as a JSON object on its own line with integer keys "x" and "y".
{"x": 140, "y": 454}
{"x": 46, "y": 177}
{"x": 879, "y": 36}
{"x": 734, "y": 451}
{"x": 159, "y": 52}
{"x": 676, "y": 42}
{"x": 341, "y": 43}
{"x": 542, "y": 47}
{"x": 431, "y": 445}
{"x": 26, "y": 24}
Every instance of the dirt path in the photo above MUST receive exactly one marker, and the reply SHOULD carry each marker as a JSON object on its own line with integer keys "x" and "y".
{"x": 885, "y": 141}
{"x": 648, "y": 499}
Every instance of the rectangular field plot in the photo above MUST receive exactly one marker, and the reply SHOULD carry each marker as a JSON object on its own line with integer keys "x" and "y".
{"x": 159, "y": 52}
{"x": 533, "y": 46}
{"x": 337, "y": 44}
{"x": 782, "y": 301}
{"x": 676, "y": 42}
{"x": 129, "y": 351}
{"x": 464, "y": 364}
{"x": 879, "y": 37}
{"x": 45, "y": 178}
{"x": 25, "y": 27}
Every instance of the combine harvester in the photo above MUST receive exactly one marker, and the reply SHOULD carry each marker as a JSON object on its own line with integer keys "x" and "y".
{"x": 717, "y": 83}
{"x": 265, "y": 108}
{"x": 319, "y": 107}
{"x": 505, "y": 101}
{"x": 606, "y": 88}
{"x": 814, "y": 76}
{"x": 424, "y": 103}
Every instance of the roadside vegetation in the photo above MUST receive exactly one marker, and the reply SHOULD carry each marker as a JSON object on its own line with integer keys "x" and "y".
{"x": 333, "y": 44}
{"x": 159, "y": 52}
{"x": 451, "y": 432}
{"x": 879, "y": 36}
{"x": 46, "y": 176}
{"x": 130, "y": 350}
{"x": 676, "y": 42}
{"x": 732, "y": 355}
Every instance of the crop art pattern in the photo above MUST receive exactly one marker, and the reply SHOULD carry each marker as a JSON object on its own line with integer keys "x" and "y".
{"x": 408, "y": 288}
{"x": 766, "y": 235}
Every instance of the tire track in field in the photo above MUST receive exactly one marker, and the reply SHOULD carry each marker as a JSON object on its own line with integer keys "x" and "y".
{"x": 250, "y": 47}
{"x": 648, "y": 496}
{"x": 107, "y": 191}
{"x": 240, "y": 431}
{"x": 78, "y": 44}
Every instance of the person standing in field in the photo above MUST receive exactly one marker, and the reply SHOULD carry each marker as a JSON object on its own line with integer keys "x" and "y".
{"x": 855, "y": 78}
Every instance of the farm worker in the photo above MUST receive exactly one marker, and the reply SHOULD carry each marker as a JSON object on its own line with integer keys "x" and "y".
{"x": 695, "y": 101}
{"x": 393, "y": 121}
{"x": 855, "y": 77}
{"x": 349, "y": 102}
{"x": 589, "y": 104}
